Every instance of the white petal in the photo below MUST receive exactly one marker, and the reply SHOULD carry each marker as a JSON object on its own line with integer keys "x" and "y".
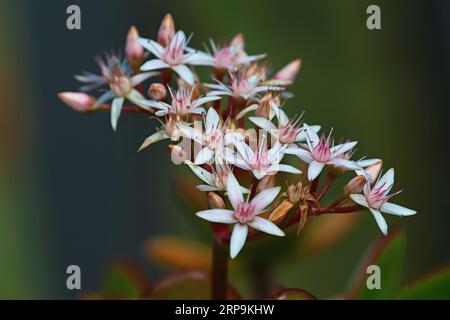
{"x": 137, "y": 98}
{"x": 191, "y": 133}
{"x": 397, "y": 210}
{"x": 264, "y": 198}
{"x": 157, "y": 136}
{"x": 246, "y": 110}
{"x": 206, "y": 188}
{"x": 199, "y": 59}
{"x": 259, "y": 173}
{"x": 302, "y": 135}
{"x": 212, "y": 119}
{"x": 314, "y": 169}
{"x": 141, "y": 77}
{"x": 238, "y": 237}
{"x": 203, "y": 156}
{"x": 367, "y": 162}
{"x": 359, "y": 199}
{"x": 281, "y": 115}
{"x": 217, "y": 215}
{"x": 266, "y": 226}
{"x": 197, "y": 103}
{"x": 303, "y": 154}
{"x": 344, "y": 163}
{"x": 312, "y": 137}
{"x": 263, "y": 123}
{"x": 219, "y": 93}
{"x": 288, "y": 168}
{"x": 103, "y": 98}
{"x": 203, "y": 174}
{"x": 341, "y": 148}
{"x": 234, "y": 191}
{"x": 152, "y": 46}
{"x": 154, "y": 64}
{"x": 116, "y": 109}
{"x": 387, "y": 179}
{"x": 380, "y": 221}
{"x": 152, "y": 104}
{"x": 185, "y": 73}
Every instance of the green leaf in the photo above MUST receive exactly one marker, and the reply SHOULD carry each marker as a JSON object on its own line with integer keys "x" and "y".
{"x": 124, "y": 281}
{"x": 292, "y": 294}
{"x": 388, "y": 254}
{"x": 186, "y": 286}
{"x": 433, "y": 286}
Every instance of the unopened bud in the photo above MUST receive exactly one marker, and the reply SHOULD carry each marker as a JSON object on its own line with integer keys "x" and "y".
{"x": 166, "y": 31}
{"x": 266, "y": 183}
{"x": 78, "y": 101}
{"x": 133, "y": 50}
{"x": 238, "y": 41}
{"x": 289, "y": 72}
{"x": 215, "y": 201}
{"x": 374, "y": 170}
{"x": 355, "y": 185}
{"x": 157, "y": 91}
{"x": 177, "y": 151}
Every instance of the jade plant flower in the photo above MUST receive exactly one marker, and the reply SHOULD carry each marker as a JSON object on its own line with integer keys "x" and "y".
{"x": 210, "y": 132}
{"x": 182, "y": 103}
{"x": 320, "y": 152}
{"x": 119, "y": 76}
{"x": 245, "y": 213}
{"x": 376, "y": 200}
{"x": 174, "y": 57}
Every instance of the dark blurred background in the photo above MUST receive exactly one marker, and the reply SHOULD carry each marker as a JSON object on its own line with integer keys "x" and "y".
{"x": 74, "y": 192}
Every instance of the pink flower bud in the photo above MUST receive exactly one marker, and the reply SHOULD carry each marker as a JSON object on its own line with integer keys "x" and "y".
{"x": 157, "y": 91}
{"x": 78, "y": 101}
{"x": 238, "y": 41}
{"x": 289, "y": 72}
{"x": 215, "y": 201}
{"x": 166, "y": 31}
{"x": 133, "y": 50}
{"x": 355, "y": 185}
{"x": 374, "y": 170}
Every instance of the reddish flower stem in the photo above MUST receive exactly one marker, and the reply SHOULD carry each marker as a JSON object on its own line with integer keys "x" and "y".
{"x": 326, "y": 186}
{"x": 125, "y": 108}
{"x": 219, "y": 275}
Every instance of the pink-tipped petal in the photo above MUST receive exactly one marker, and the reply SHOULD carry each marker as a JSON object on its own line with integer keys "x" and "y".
{"x": 166, "y": 30}
{"x": 133, "y": 50}
{"x": 289, "y": 72}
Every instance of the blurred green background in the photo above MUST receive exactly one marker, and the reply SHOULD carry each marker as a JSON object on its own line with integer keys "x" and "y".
{"x": 73, "y": 192}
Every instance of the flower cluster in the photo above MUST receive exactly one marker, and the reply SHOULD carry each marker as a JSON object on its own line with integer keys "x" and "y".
{"x": 235, "y": 136}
